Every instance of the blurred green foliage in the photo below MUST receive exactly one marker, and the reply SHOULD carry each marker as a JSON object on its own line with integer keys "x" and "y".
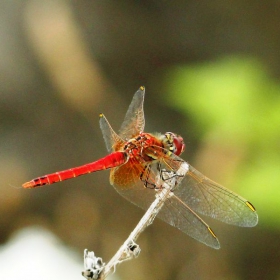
{"x": 236, "y": 99}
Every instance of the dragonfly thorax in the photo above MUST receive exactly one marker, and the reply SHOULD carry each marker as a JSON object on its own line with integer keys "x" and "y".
{"x": 136, "y": 147}
{"x": 141, "y": 145}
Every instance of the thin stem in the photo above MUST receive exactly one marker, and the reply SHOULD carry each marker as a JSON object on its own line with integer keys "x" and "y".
{"x": 129, "y": 249}
{"x": 167, "y": 182}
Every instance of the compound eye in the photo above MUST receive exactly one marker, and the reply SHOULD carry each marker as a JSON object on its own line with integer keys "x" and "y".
{"x": 178, "y": 144}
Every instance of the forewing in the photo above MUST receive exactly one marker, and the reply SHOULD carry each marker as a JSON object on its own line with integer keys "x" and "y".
{"x": 209, "y": 198}
{"x": 174, "y": 212}
{"x": 112, "y": 140}
{"x": 134, "y": 120}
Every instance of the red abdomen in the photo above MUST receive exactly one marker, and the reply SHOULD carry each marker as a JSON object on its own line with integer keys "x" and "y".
{"x": 110, "y": 161}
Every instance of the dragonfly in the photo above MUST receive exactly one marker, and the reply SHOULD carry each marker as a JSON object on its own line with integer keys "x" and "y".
{"x": 137, "y": 159}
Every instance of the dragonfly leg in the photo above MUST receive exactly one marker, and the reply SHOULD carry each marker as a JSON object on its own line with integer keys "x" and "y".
{"x": 169, "y": 176}
{"x": 144, "y": 177}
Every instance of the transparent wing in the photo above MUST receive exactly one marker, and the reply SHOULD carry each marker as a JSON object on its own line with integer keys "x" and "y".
{"x": 112, "y": 140}
{"x": 134, "y": 120}
{"x": 209, "y": 198}
{"x": 179, "y": 215}
{"x": 132, "y": 125}
{"x": 126, "y": 180}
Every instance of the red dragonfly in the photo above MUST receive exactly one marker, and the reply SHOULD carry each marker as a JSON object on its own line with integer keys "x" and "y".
{"x": 137, "y": 159}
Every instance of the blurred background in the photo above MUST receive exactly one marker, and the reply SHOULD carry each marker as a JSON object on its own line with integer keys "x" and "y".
{"x": 211, "y": 72}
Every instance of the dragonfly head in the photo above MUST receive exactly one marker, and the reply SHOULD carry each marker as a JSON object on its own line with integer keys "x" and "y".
{"x": 174, "y": 143}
